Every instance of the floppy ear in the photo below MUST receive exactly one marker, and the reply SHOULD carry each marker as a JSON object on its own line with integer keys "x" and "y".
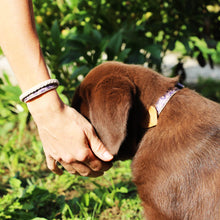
{"x": 109, "y": 107}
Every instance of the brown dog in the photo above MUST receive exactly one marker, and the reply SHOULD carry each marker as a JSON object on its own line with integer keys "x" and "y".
{"x": 176, "y": 155}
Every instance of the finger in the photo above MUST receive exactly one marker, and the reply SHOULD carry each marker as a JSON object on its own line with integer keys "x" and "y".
{"x": 99, "y": 150}
{"x": 78, "y": 169}
{"x": 69, "y": 167}
{"x": 52, "y": 165}
{"x": 87, "y": 157}
{"x": 83, "y": 170}
{"x": 98, "y": 165}
{"x": 97, "y": 147}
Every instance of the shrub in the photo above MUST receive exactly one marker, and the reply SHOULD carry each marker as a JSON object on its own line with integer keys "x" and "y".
{"x": 76, "y": 35}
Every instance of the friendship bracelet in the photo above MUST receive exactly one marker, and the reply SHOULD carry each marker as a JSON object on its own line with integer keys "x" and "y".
{"x": 39, "y": 89}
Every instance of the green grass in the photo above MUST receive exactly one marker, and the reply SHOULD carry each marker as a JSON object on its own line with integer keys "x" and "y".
{"x": 28, "y": 190}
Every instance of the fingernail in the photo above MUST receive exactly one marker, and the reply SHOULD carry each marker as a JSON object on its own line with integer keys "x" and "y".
{"x": 107, "y": 156}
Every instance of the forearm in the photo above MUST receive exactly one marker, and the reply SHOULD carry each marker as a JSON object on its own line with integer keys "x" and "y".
{"x": 19, "y": 41}
{"x": 20, "y": 44}
{"x": 67, "y": 137}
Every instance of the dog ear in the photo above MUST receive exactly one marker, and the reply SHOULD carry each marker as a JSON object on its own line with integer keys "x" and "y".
{"x": 110, "y": 104}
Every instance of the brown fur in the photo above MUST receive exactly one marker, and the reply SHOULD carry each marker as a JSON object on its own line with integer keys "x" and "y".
{"x": 176, "y": 165}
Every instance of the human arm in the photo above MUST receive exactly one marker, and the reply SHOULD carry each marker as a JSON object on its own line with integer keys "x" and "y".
{"x": 66, "y": 136}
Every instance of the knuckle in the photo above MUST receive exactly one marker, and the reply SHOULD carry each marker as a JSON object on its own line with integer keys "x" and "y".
{"x": 59, "y": 159}
{"x": 68, "y": 159}
{"x": 73, "y": 172}
{"x": 97, "y": 166}
{"x": 82, "y": 155}
{"x": 101, "y": 166}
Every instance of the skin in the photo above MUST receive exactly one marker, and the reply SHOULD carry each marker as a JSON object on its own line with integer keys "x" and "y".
{"x": 67, "y": 137}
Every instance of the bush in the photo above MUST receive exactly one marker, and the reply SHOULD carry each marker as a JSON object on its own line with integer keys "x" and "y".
{"x": 77, "y": 35}
{"x": 13, "y": 113}
{"x": 209, "y": 88}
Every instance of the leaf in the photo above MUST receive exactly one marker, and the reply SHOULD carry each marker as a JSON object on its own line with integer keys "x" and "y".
{"x": 155, "y": 50}
{"x": 109, "y": 201}
{"x": 70, "y": 57}
{"x": 12, "y": 93}
{"x": 55, "y": 32}
{"x": 82, "y": 70}
{"x": 15, "y": 183}
{"x": 96, "y": 37}
{"x": 60, "y": 89}
{"x": 124, "y": 54}
{"x": 60, "y": 5}
{"x": 72, "y": 3}
{"x": 67, "y": 18}
{"x": 114, "y": 45}
{"x": 95, "y": 197}
{"x": 1, "y": 52}
{"x": 86, "y": 199}
{"x": 136, "y": 57}
{"x": 5, "y": 128}
{"x": 123, "y": 190}
{"x": 185, "y": 42}
{"x": 6, "y": 78}
{"x": 171, "y": 44}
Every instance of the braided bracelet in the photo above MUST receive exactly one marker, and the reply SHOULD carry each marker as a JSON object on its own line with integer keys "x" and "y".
{"x": 39, "y": 89}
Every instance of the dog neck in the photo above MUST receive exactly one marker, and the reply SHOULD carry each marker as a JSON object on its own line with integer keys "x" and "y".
{"x": 154, "y": 111}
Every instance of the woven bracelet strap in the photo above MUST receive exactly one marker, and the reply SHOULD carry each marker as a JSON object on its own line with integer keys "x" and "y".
{"x": 39, "y": 89}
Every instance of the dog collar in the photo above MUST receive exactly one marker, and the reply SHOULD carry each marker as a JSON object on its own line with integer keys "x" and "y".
{"x": 154, "y": 111}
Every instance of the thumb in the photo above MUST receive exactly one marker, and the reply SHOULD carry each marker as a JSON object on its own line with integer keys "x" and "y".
{"x": 99, "y": 149}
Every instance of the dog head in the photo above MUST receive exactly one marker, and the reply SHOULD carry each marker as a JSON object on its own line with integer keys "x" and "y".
{"x": 114, "y": 98}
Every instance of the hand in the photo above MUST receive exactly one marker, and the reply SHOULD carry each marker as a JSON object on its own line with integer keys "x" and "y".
{"x": 68, "y": 138}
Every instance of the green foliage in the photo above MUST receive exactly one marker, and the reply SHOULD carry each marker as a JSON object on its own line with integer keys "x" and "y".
{"x": 28, "y": 202}
{"x": 78, "y": 35}
{"x": 210, "y": 88}
{"x": 13, "y": 113}
{"x": 31, "y": 199}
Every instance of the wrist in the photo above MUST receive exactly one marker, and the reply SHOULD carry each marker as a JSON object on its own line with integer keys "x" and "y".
{"x": 45, "y": 105}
